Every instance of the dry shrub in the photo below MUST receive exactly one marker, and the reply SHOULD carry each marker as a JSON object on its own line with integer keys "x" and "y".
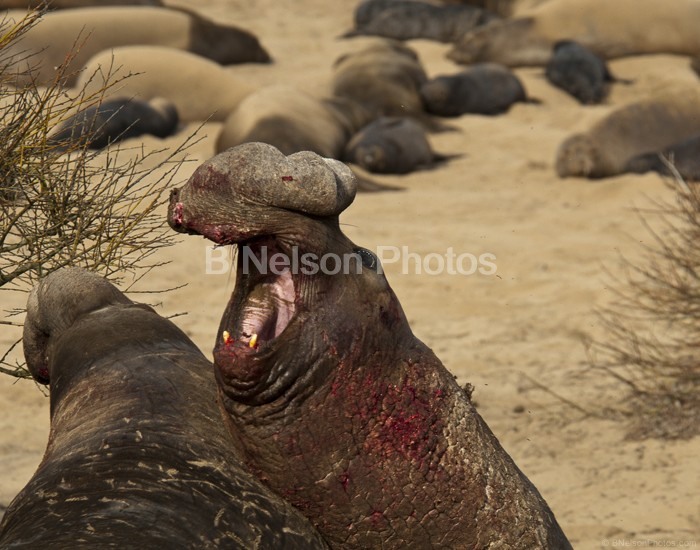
{"x": 653, "y": 326}
{"x": 64, "y": 204}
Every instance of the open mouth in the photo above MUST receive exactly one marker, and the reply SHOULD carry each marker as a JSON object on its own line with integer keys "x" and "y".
{"x": 264, "y": 301}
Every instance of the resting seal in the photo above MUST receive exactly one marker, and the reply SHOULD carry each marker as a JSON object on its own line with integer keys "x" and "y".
{"x": 391, "y": 145}
{"x": 103, "y": 28}
{"x": 642, "y": 127}
{"x": 138, "y": 456}
{"x": 610, "y": 29}
{"x": 485, "y": 88}
{"x": 116, "y": 120}
{"x": 341, "y": 408}
{"x": 684, "y": 156}
{"x": 414, "y": 19}
{"x": 199, "y": 88}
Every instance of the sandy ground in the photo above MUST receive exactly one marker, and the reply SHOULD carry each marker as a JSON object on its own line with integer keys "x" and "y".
{"x": 553, "y": 241}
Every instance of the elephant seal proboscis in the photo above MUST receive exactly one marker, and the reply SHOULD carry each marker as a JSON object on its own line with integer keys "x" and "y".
{"x": 392, "y": 145}
{"x": 610, "y": 29}
{"x": 414, "y": 19}
{"x": 645, "y": 126}
{"x": 199, "y": 88}
{"x": 484, "y": 88}
{"x": 137, "y": 456}
{"x": 385, "y": 77}
{"x": 116, "y": 120}
{"x": 342, "y": 409}
{"x": 85, "y": 32}
{"x": 681, "y": 158}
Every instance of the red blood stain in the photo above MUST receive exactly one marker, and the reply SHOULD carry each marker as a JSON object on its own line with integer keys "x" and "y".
{"x": 344, "y": 479}
{"x": 287, "y": 178}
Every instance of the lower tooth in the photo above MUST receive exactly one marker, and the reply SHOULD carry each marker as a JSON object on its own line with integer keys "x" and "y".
{"x": 253, "y": 341}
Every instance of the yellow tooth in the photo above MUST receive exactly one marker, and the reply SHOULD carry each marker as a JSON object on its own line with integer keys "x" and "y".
{"x": 253, "y": 340}
{"x": 227, "y": 337}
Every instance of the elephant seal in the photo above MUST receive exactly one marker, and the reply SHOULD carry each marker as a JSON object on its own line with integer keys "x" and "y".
{"x": 199, "y": 88}
{"x": 342, "y": 410}
{"x": 392, "y": 145}
{"x": 293, "y": 121}
{"x": 579, "y": 72}
{"x": 485, "y": 88}
{"x": 116, "y": 120}
{"x": 138, "y": 456}
{"x": 84, "y": 32}
{"x": 684, "y": 156}
{"x": 406, "y": 20}
{"x": 385, "y": 77}
{"x": 610, "y": 29}
{"x": 642, "y": 127}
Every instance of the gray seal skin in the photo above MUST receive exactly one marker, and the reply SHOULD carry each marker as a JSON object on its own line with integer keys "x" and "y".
{"x": 579, "y": 72}
{"x": 385, "y": 77}
{"x": 408, "y": 20}
{"x": 391, "y": 145}
{"x": 116, "y": 120}
{"x": 684, "y": 156}
{"x": 485, "y": 88}
{"x": 138, "y": 454}
{"x": 648, "y": 125}
{"x": 341, "y": 409}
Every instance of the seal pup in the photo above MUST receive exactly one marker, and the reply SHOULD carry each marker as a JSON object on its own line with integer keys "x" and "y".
{"x": 579, "y": 72}
{"x": 609, "y": 29}
{"x": 116, "y": 120}
{"x": 641, "y": 127}
{"x": 683, "y": 156}
{"x": 406, "y": 20}
{"x": 200, "y": 89}
{"x": 484, "y": 88}
{"x": 85, "y": 32}
{"x": 341, "y": 408}
{"x": 138, "y": 456}
{"x": 385, "y": 77}
{"x": 392, "y": 145}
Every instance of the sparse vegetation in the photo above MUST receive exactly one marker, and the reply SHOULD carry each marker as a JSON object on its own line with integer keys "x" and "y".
{"x": 64, "y": 204}
{"x": 653, "y": 326}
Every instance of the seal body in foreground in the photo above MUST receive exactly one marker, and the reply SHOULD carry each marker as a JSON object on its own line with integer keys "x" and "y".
{"x": 391, "y": 145}
{"x": 137, "y": 456}
{"x": 683, "y": 156}
{"x": 579, "y": 72}
{"x": 342, "y": 410}
{"x": 645, "y": 126}
{"x": 415, "y": 19}
{"x": 116, "y": 120}
{"x": 485, "y": 88}
{"x": 610, "y": 29}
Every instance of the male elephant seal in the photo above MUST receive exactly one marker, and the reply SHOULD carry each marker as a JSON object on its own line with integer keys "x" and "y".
{"x": 485, "y": 88}
{"x": 199, "y": 88}
{"x": 342, "y": 409}
{"x": 610, "y": 29}
{"x": 684, "y": 156}
{"x": 88, "y": 31}
{"x": 116, "y": 120}
{"x": 385, "y": 77}
{"x": 642, "y": 127}
{"x": 579, "y": 72}
{"x": 392, "y": 145}
{"x": 413, "y": 19}
{"x": 138, "y": 456}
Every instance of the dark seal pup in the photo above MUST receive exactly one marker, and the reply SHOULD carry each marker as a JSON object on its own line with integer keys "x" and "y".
{"x": 485, "y": 89}
{"x": 137, "y": 456}
{"x": 406, "y": 20}
{"x": 116, "y": 120}
{"x": 342, "y": 409}
{"x": 392, "y": 145}
{"x": 579, "y": 72}
{"x": 684, "y": 156}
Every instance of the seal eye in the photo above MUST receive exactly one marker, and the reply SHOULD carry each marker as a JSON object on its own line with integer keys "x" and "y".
{"x": 369, "y": 260}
